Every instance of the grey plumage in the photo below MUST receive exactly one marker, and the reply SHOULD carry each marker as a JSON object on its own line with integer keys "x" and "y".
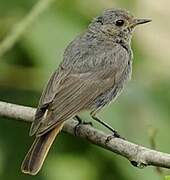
{"x": 94, "y": 64}
{"x": 95, "y": 67}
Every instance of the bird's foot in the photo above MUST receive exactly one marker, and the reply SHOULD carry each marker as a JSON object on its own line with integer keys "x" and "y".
{"x": 80, "y": 122}
{"x": 114, "y": 135}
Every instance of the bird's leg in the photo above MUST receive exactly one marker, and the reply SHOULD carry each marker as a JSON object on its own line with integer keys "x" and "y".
{"x": 80, "y": 122}
{"x": 115, "y": 133}
{"x": 77, "y": 118}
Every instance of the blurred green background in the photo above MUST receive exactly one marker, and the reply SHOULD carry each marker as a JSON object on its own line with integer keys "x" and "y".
{"x": 142, "y": 109}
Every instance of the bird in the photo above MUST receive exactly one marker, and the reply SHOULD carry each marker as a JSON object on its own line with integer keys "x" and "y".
{"x": 96, "y": 66}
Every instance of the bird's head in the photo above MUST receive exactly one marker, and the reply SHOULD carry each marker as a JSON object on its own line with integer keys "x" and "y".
{"x": 116, "y": 23}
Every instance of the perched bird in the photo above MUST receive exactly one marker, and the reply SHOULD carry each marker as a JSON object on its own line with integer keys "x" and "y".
{"x": 95, "y": 67}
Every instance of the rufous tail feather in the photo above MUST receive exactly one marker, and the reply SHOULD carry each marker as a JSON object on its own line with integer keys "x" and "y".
{"x": 38, "y": 151}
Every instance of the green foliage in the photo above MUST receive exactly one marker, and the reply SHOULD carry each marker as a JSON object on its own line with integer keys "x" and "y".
{"x": 167, "y": 177}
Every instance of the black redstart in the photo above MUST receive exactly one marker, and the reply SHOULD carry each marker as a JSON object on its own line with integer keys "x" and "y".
{"x": 95, "y": 67}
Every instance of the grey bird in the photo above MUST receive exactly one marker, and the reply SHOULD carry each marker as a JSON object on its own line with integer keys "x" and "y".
{"x": 96, "y": 65}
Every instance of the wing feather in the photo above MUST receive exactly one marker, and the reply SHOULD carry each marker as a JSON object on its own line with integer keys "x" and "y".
{"x": 68, "y": 106}
{"x": 72, "y": 89}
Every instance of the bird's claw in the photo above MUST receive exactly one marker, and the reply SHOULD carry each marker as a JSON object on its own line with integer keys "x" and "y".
{"x": 114, "y": 135}
{"x": 80, "y": 122}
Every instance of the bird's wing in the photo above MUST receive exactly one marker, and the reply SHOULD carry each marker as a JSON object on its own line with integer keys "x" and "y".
{"x": 47, "y": 98}
{"x": 74, "y": 95}
{"x": 74, "y": 91}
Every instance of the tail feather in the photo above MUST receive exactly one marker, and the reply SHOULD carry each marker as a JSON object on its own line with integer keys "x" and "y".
{"x": 38, "y": 151}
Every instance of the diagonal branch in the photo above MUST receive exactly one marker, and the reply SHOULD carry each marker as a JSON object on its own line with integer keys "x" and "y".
{"x": 139, "y": 156}
{"x": 22, "y": 26}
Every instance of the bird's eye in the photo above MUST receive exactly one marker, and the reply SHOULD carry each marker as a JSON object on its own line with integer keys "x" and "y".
{"x": 120, "y": 22}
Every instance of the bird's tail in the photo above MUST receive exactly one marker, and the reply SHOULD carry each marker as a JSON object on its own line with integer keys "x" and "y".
{"x": 38, "y": 151}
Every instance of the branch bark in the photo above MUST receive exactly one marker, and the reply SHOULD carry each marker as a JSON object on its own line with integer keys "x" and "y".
{"x": 138, "y": 155}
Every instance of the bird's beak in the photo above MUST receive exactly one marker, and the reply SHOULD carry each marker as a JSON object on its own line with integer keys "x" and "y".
{"x": 139, "y": 21}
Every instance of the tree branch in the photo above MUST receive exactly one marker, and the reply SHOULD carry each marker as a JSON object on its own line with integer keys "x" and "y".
{"x": 139, "y": 156}
{"x": 22, "y": 26}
